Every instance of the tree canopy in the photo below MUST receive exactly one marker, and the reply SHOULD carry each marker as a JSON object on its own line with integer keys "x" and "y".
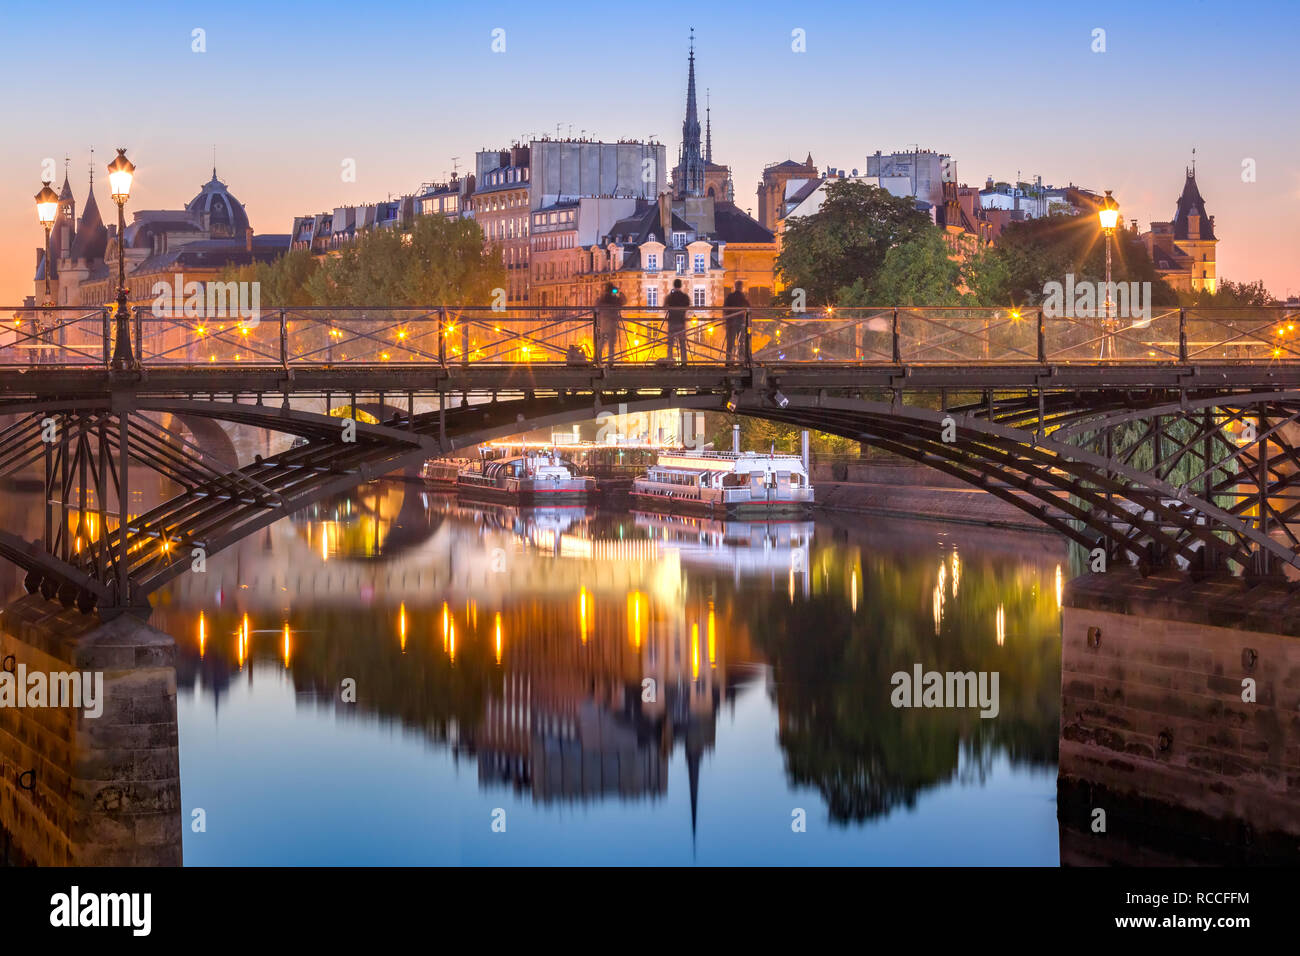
{"x": 434, "y": 261}
{"x": 846, "y": 240}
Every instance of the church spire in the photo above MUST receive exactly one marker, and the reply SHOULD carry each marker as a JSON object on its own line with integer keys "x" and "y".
{"x": 708, "y": 128}
{"x": 691, "y": 164}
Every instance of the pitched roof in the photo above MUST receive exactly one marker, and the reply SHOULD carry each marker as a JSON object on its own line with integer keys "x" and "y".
{"x": 92, "y": 237}
{"x": 1190, "y": 203}
{"x": 731, "y": 224}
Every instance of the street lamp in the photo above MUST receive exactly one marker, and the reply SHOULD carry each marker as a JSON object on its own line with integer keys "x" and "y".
{"x": 1108, "y": 214}
{"x": 121, "y": 171}
{"x": 47, "y": 206}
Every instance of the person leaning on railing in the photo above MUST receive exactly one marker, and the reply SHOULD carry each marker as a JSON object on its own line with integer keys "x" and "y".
{"x": 736, "y": 318}
{"x": 608, "y": 310}
{"x": 677, "y": 303}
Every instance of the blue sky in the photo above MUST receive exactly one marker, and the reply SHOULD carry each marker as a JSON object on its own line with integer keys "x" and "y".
{"x": 288, "y": 91}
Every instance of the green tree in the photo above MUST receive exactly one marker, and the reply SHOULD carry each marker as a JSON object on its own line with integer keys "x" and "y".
{"x": 1230, "y": 294}
{"x": 434, "y": 261}
{"x": 1032, "y": 253}
{"x": 920, "y": 271}
{"x": 845, "y": 241}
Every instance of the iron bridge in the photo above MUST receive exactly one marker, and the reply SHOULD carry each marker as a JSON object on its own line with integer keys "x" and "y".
{"x": 1170, "y": 440}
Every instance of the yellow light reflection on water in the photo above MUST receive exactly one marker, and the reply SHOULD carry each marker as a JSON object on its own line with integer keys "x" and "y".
{"x": 582, "y": 614}
{"x": 498, "y": 637}
{"x": 446, "y": 624}
{"x": 202, "y": 634}
{"x": 1001, "y": 626}
{"x": 401, "y": 625}
{"x": 853, "y": 590}
{"x": 1060, "y": 588}
{"x": 286, "y": 644}
{"x": 243, "y": 642}
{"x": 956, "y": 572}
{"x": 695, "y": 650}
{"x": 713, "y": 638}
{"x": 634, "y": 618}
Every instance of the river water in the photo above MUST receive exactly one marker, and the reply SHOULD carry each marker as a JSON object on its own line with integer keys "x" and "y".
{"x": 393, "y": 678}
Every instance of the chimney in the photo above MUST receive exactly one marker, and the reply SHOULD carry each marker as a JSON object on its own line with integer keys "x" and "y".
{"x": 666, "y": 218}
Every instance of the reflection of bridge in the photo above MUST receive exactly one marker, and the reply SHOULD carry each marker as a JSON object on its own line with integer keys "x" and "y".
{"x": 1179, "y": 445}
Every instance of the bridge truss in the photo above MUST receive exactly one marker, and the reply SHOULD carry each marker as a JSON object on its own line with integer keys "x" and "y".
{"x": 1187, "y": 456}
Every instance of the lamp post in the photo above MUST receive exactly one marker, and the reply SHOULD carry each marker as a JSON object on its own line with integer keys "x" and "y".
{"x": 1108, "y": 214}
{"x": 121, "y": 171}
{"x": 47, "y": 205}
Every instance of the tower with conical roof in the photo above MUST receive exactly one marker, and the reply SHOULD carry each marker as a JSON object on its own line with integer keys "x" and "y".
{"x": 1183, "y": 249}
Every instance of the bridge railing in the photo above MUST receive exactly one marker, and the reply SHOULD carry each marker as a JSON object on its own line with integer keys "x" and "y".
{"x": 465, "y": 335}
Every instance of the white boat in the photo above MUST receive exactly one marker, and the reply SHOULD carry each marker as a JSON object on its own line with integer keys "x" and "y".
{"x": 527, "y": 479}
{"x": 440, "y": 474}
{"x": 720, "y": 483}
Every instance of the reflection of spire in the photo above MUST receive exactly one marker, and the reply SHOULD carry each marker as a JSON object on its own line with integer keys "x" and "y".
{"x": 693, "y": 772}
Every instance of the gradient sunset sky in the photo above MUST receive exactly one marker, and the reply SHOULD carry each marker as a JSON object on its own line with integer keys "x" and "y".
{"x": 288, "y": 91}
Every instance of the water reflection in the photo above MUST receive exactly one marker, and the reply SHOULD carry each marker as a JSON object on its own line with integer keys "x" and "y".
{"x": 584, "y": 659}
{"x": 643, "y": 687}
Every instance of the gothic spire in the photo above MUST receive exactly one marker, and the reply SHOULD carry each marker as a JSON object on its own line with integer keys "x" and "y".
{"x": 708, "y": 128}
{"x": 692, "y": 162}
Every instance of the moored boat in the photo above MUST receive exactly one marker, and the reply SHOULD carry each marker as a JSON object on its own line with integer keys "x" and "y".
{"x": 440, "y": 474}
{"x": 731, "y": 484}
{"x": 527, "y": 479}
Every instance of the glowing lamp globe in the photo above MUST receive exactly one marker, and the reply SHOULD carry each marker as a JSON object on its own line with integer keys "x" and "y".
{"x": 1108, "y": 212}
{"x": 47, "y": 205}
{"x": 121, "y": 171}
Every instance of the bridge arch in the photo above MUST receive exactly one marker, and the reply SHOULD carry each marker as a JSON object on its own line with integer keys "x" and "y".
{"x": 1044, "y": 460}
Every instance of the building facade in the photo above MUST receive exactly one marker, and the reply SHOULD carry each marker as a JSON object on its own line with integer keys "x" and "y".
{"x": 198, "y": 242}
{"x": 1183, "y": 249}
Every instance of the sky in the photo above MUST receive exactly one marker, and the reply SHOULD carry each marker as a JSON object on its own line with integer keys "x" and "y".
{"x": 289, "y": 92}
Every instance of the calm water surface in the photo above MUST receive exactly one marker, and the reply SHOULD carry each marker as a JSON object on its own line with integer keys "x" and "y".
{"x": 618, "y": 688}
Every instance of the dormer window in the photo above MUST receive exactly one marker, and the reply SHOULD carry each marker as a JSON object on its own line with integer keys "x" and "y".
{"x": 679, "y": 240}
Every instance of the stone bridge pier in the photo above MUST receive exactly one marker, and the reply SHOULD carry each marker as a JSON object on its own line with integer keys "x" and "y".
{"x": 1180, "y": 721}
{"x": 79, "y": 790}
